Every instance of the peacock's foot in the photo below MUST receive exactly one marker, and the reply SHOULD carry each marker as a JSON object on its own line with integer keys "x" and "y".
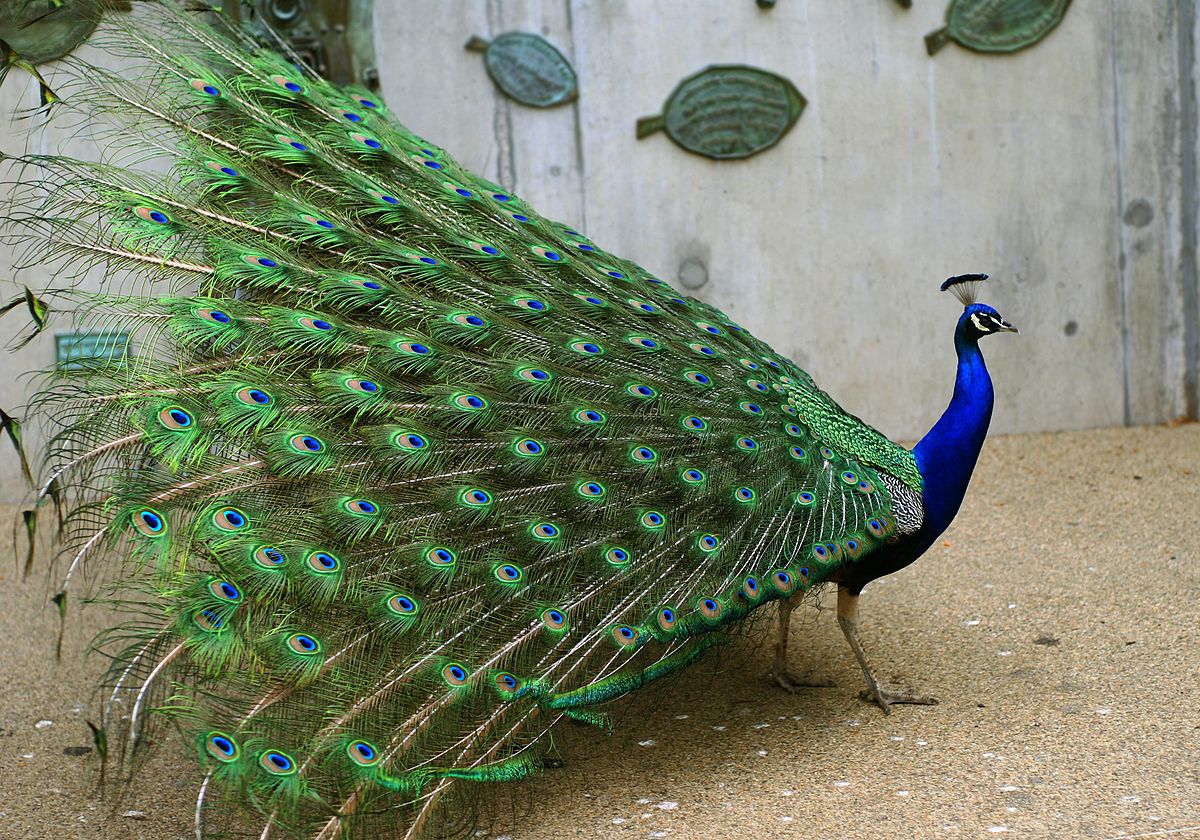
{"x": 885, "y": 695}
{"x": 790, "y": 683}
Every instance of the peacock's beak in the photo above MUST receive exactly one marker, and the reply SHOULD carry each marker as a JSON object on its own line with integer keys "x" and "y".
{"x": 1007, "y": 327}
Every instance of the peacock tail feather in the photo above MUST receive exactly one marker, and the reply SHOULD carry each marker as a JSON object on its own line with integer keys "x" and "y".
{"x": 400, "y": 472}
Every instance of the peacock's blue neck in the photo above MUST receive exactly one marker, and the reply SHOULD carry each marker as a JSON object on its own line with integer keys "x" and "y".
{"x": 946, "y": 455}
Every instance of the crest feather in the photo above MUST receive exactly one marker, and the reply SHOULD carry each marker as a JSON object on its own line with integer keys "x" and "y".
{"x": 964, "y": 287}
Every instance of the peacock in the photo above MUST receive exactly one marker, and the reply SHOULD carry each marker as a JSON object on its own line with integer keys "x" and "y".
{"x": 387, "y": 473}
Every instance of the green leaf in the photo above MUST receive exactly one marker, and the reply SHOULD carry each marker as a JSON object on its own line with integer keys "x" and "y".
{"x": 30, "y": 517}
{"x": 12, "y": 426}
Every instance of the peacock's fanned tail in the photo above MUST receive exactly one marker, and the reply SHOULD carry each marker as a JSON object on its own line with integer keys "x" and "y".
{"x": 396, "y": 472}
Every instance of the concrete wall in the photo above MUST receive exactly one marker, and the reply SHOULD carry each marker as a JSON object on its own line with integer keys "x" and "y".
{"x": 1067, "y": 172}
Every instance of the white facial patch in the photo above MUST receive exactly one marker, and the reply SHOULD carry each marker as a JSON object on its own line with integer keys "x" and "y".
{"x": 980, "y": 325}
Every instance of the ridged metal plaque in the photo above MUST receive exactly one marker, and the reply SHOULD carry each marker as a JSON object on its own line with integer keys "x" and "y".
{"x": 528, "y": 68}
{"x": 39, "y": 32}
{"x": 729, "y": 111}
{"x": 997, "y": 26}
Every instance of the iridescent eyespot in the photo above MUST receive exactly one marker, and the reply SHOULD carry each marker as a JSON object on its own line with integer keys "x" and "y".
{"x": 304, "y": 644}
{"x": 466, "y": 319}
{"x": 362, "y": 506}
{"x": 206, "y": 88}
{"x": 773, "y": 363}
{"x": 214, "y": 315}
{"x": 708, "y": 542}
{"x": 783, "y": 582}
{"x": 710, "y": 609}
{"x": 259, "y": 261}
{"x": 617, "y": 556}
{"x": 644, "y": 342}
{"x": 317, "y": 222}
{"x": 384, "y": 197}
{"x": 697, "y": 378}
{"x": 402, "y": 605}
{"x": 508, "y": 573}
{"x": 653, "y": 520}
{"x": 745, "y": 494}
{"x": 546, "y": 254}
{"x": 224, "y": 590}
{"x": 484, "y": 248}
{"x": 820, "y": 552}
{"x": 366, "y": 140}
{"x": 853, "y": 547}
{"x": 747, "y": 444}
{"x": 589, "y": 416}
{"x": 457, "y": 189}
{"x": 798, "y": 453}
{"x": 750, "y": 408}
{"x": 419, "y": 257}
{"x": 410, "y": 441}
{"x": 583, "y": 246}
{"x": 224, "y": 169}
{"x": 519, "y": 217}
{"x": 710, "y": 328}
{"x": 534, "y": 375}
{"x": 532, "y": 304}
{"x": 306, "y": 443}
{"x": 413, "y": 348}
{"x": 362, "y": 753}
{"x": 175, "y": 419}
{"x": 277, "y": 763}
{"x": 150, "y": 214}
{"x": 645, "y": 307}
{"x": 350, "y": 116}
{"x": 554, "y": 619}
{"x": 875, "y": 527}
{"x": 616, "y": 275}
{"x": 363, "y": 386}
{"x": 292, "y": 142}
{"x": 440, "y": 556}
{"x": 323, "y": 562}
{"x": 865, "y": 487}
{"x": 501, "y": 197}
{"x": 666, "y": 618}
{"x": 474, "y": 497}
{"x": 793, "y": 430}
{"x": 695, "y": 424}
{"x": 229, "y": 519}
{"x": 587, "y": 348}
{"x": 221, "y": 747}
{"x": 469, "y": 402}
{"x": 827, "y": 453}
{"x": 638, "y": 390}
{"x": 643, "y": 454}
{"x": 692, "y": 476}
{"x": 751, "y": 588}
{"x": 311, "y": 323}
{"x": 805, "y": 499}
{"x": 253, "y": 396}
{"x": 590, "y": 490}
{"x": 268, "y": 557}
{"x": 528, "y": 447}
{"x": 702, "y": 349}
{"x": 756, "y": 385}
{"x": 624, "y": 635}
{"x": 455, "y": 674}
{"x": 849, "y": 477}
{"x": 288, "y": 84}
{"x": 544, "y": 531}
{"x": 788, "y": 409}
{"x": 507, "y": 683}
{"x": 209, "y": 621}
{"x": 748, "y": 364}
{"x": 367, "y": 103}
{"x": 591, "y": 299}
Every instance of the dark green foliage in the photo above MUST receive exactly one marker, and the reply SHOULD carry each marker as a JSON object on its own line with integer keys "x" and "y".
{"x": 402, "y": 472}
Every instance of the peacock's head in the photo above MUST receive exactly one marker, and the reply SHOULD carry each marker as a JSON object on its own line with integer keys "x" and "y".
{"x": 978, "y": 319}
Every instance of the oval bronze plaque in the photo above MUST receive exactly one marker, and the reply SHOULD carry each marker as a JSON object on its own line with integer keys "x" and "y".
{"x": 728, "y": 111}
{"x": 997, "y": 26}
{"x": 528, "y": 68}
{"x": 39, "y": 32}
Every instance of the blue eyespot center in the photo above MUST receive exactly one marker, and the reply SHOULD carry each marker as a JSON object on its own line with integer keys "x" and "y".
{"x": 322, "y": 325}
{"x": 311, "y": 443}
{"x": 219, "y": 316}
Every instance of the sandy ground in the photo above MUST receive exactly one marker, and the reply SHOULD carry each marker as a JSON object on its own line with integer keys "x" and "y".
{"x": 1059, "y": 624}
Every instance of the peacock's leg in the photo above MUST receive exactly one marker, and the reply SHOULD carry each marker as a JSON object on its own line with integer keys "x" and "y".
{"x": 877, "y": 692}
{"x": 779, "y": 672}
